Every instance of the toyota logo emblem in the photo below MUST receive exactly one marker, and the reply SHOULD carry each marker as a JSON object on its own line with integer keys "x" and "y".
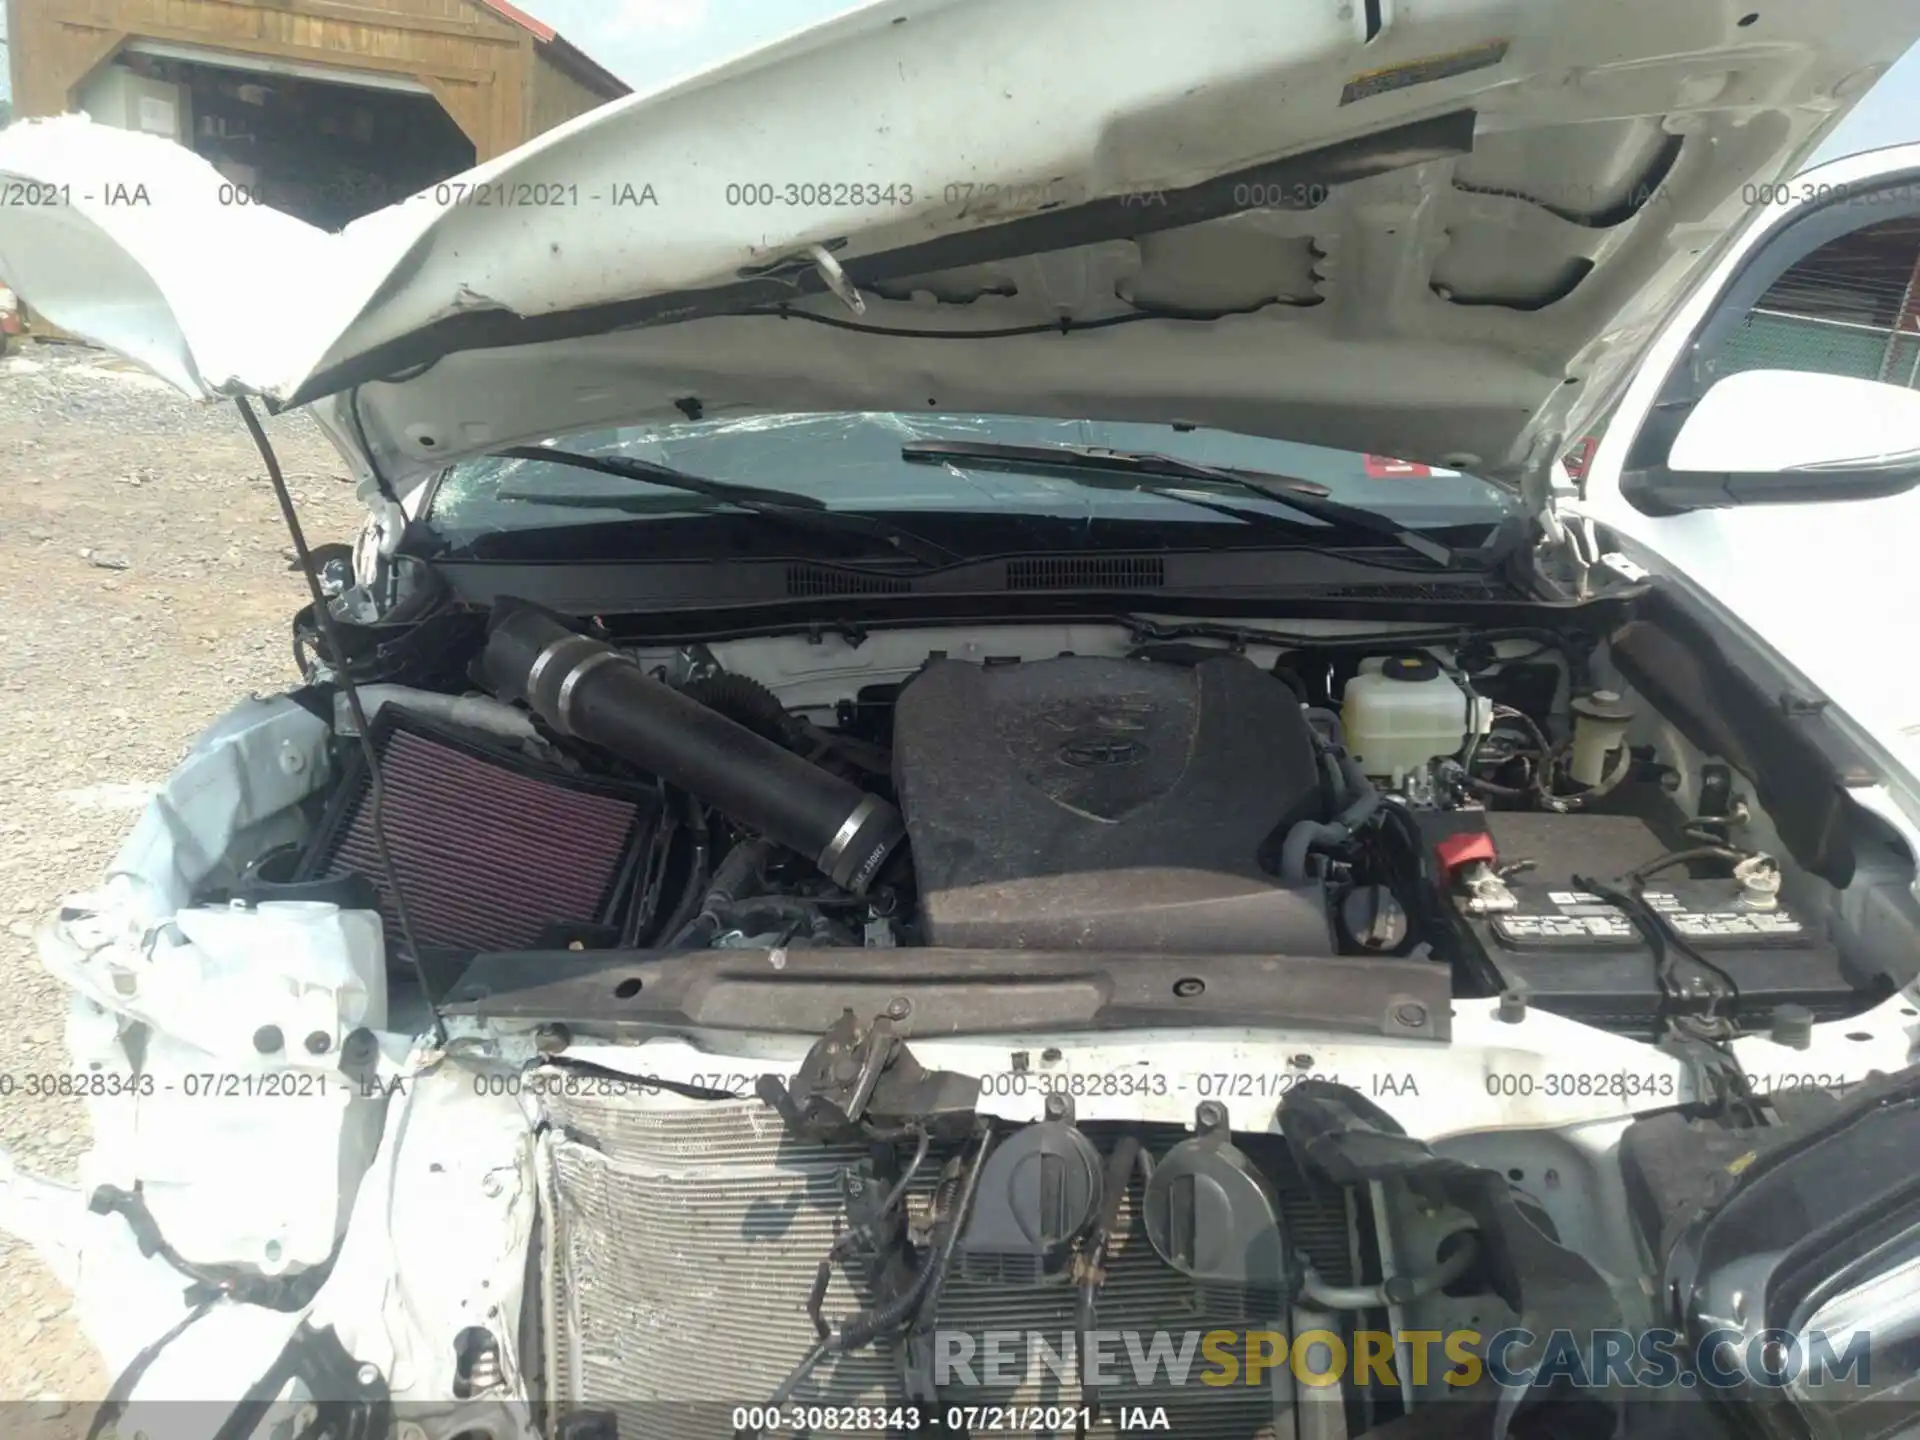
{"x": 1099, "y": 750}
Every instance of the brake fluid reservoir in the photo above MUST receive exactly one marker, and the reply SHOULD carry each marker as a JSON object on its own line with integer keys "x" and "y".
{"x": 1401, "y": 712}
{"x": 1600, "y": 722}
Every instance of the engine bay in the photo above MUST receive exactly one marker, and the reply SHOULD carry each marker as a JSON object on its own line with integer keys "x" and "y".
{"x": 1503, "y": 804}
{"x": 853, "y": 1003}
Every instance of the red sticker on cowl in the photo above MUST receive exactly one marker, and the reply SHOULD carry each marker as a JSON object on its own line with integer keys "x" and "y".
{"x": 1385, "y": 467}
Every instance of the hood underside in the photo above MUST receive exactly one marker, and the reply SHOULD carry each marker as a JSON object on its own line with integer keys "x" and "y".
{"x": 1443, "y": 231}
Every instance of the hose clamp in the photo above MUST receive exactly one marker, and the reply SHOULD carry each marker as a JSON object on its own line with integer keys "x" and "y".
{"x": 545, "y": 658}
{"x": 563, "y": 703}
{"x": 843, "y": 837}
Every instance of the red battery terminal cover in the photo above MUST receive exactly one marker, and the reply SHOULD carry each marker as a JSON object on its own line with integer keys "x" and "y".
{"x": 1463, "y": 849}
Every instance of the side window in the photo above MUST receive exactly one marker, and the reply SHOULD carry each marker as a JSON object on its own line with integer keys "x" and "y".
{"x": 1852, "y": 307}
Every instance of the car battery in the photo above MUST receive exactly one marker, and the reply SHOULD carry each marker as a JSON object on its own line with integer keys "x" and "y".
{"x": 1573, "y": 952}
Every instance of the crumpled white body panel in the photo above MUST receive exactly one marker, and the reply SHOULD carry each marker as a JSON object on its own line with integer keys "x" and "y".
{"x": 125, "y": 260}
{"x": 254, "y": 1160}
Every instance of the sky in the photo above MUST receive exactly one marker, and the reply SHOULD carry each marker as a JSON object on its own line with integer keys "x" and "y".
{"x": 1889, "y": 114}
{"x": 649, "y": 42}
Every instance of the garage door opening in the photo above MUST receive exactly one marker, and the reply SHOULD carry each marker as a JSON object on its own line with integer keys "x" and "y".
{"x": 322, "y": 150}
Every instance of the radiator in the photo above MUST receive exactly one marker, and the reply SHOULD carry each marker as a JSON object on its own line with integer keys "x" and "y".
{"x": 492, "y": 850}
{"x": 683, "y": 1244}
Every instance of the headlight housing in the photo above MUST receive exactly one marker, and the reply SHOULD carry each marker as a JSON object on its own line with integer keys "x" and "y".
{"x": 1803, "y": 1282}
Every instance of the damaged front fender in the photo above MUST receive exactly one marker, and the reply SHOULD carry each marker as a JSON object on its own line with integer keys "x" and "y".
{"x": 259, "y": 1131}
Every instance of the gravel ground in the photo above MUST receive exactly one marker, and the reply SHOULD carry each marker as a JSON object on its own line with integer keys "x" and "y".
{"x": 144, "y": 588}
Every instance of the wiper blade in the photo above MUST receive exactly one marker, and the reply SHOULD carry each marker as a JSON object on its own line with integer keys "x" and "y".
{"x": 799, "y": 512}
{"x": 625, "y": 504}
{"x": 1299, "y": 495}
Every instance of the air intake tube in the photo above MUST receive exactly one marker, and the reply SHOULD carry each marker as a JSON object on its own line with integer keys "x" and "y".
{"x": 590, "y": 690}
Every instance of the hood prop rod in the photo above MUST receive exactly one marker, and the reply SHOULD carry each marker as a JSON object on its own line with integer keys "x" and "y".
{"x": 343, "y": 671}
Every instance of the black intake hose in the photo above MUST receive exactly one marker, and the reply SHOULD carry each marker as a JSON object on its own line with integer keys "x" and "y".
{"x": 588, "y": 689}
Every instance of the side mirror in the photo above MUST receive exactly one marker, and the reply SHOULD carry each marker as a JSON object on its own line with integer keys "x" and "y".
{"x": 1787, "y": 437}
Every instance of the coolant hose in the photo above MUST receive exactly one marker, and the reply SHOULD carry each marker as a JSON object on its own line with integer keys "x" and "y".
{"x": 1307, "y": 835}
{"x": 1400, "y": 1290}
{"x": 1335, "y": 777}
{"x": 1336, "y": 727}
{"x": 1366, "y": 799}
{"x": 1300, "y": 840}
{"x": 588, "y": 689}
{"x": 741, "y": 874}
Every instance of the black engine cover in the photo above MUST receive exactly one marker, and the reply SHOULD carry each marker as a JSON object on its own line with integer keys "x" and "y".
{"x": 1084, "y": 803}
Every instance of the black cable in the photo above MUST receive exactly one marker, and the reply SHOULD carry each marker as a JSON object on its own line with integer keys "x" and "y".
{"x": 285, "y": 1293}
{"x": 859, "y": 1331}
{"x": 644, "y": 1084}
{"x": 1538, "y": 780}
{"x": 1126, "y": 1156}
{"x": 1655, "y": 938}
{"x": 758, "y": 914}
{"x": 323, "y": 1367}
{"x": 1724, "y": 976}
{"x": 920, "y": 1150}
{"x": 1062, "y": 326}
{"x": 1662, "y": 939}
{"x": 1686, "y": 857}
{"x": 1521, "y": 659}
{"x": 376, "y": 792}
{"x": 1638, "y": 877}
{"x": 737, "y": 878}
{"x": 1732, "y": 1087}
{"x": 862, "y": 1236}
{"x": 698, "y": 872}
{"x": 929, "y": 1305}
{"x": 380, "y": 482}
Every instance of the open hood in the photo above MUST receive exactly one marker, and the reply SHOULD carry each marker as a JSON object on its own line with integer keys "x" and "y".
{"x": 1444, "y": 231}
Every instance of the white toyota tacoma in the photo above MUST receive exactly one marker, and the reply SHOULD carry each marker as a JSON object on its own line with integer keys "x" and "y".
{"x": 894, "y": 781}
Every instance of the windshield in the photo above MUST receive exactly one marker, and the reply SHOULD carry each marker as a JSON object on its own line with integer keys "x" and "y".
{"x": 853, "y": 463}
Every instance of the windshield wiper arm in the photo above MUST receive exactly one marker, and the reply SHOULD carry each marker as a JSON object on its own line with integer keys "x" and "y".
{"x": 1300, "y": 495}
{"x": 801, "y": 512}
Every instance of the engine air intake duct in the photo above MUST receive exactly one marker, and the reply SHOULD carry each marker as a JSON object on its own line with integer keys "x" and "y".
{"x": 589, "y": 690}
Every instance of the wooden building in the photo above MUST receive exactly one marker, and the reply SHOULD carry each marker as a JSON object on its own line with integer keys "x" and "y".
{"x": 324, "y": 108}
